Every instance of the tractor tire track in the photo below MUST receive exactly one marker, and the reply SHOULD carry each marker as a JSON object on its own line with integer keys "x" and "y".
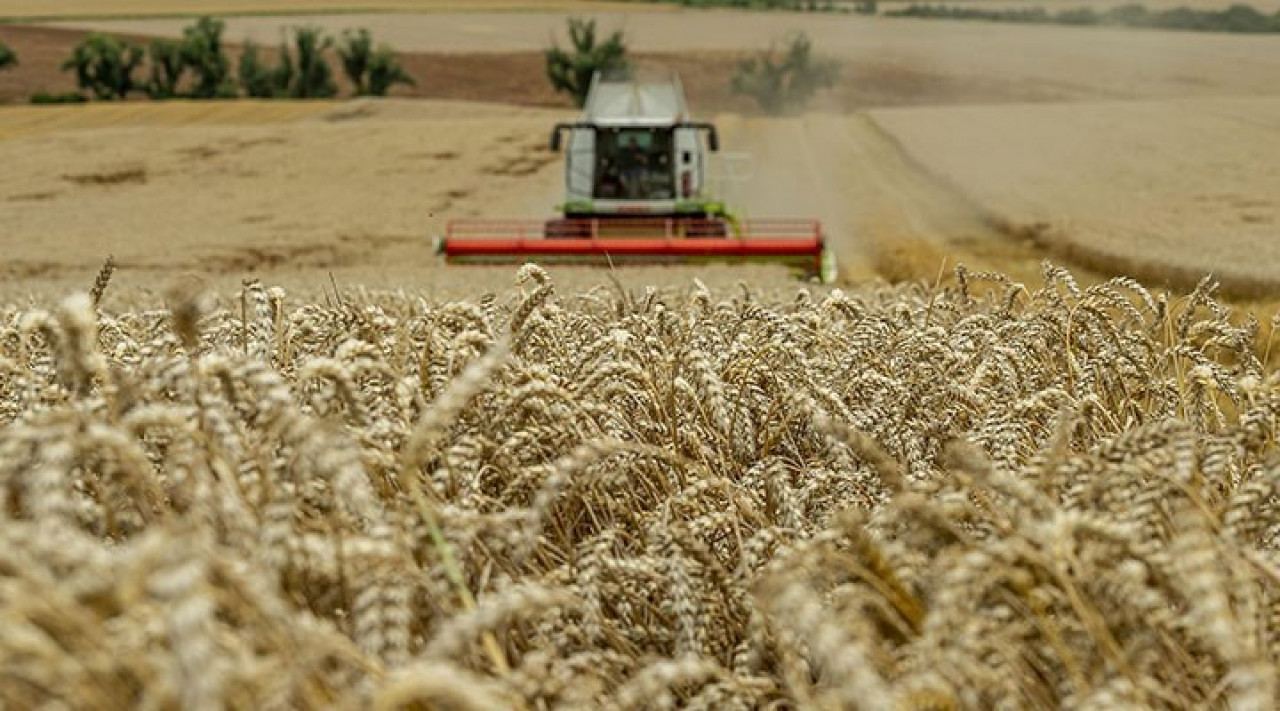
{"x": 885, "y": 214}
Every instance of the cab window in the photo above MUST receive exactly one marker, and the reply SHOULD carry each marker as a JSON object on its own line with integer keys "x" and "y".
{"x": 634, "y": 164}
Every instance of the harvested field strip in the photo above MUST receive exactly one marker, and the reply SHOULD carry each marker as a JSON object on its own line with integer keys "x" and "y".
{"x": 884, "y": 213}
{"x": 20, "y": 121}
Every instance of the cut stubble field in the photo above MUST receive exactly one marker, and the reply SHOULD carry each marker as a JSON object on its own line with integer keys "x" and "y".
{"x": 234, "y": 192}
{"x": 289, "y": 192}
{"x": 293, "y": 190}
{"x": 361, "y": 188}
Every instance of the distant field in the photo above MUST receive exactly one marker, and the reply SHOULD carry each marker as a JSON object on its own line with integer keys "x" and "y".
{"x": 978, "y": 61}
{"x": 520, "y": 77}
{"x": 16, "y": 9}
{"x": 1134, "y": 151}
{"x": 124, "y": 8}
{"x": 1163, "y": 191}
{"x": 1263, "y": 5}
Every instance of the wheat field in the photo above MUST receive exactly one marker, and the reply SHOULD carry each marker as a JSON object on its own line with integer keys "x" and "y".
{"x": 976, "y": 496}
{"x": 28, "y": 121}
{"x": 1127, "y": 187}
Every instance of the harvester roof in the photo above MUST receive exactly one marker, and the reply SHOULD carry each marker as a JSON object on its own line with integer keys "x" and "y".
{"x": 645, "y": 102}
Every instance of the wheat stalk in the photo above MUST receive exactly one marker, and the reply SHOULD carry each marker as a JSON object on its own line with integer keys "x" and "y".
{"x": 979, "y": 495}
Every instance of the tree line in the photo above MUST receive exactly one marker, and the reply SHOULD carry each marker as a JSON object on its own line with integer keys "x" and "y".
{"x": 198, "y": 66}
{"x": 779, "y": 78}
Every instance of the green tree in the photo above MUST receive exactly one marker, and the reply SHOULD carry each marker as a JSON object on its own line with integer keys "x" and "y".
{"x": 260, "y": 81}
{"x": 373, "y": 70}
{"x": 312, "y": 77}
{"x": 167, "y": 68}
{"x": 385, "y": 72}
{"x": 105, "y": 66}
{"x": 356, "y": 53}
{"x": 203, "y": 52}
{"x": 302, "y": 71}
{"x": 8, "y": 57}
{"x": 571, "y": 71}
{"x": 786, "y": 80}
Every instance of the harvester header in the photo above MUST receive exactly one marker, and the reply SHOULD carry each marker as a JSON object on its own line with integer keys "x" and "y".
{"x": 636, "y": 191}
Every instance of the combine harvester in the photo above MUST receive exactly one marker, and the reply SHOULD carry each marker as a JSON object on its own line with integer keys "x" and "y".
{"x": 636, "y": 172}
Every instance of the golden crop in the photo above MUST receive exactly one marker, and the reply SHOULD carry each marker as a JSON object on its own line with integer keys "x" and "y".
{"x": 26, "y": 121}
{"x": 890, "y": 498}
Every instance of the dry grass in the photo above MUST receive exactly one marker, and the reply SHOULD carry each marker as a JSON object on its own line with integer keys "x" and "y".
{"x": 894, "y": 498}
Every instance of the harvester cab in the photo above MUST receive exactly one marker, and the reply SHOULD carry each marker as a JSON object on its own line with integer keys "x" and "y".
{"x": 635, "y": 154}
{"x": 636, "y": 183}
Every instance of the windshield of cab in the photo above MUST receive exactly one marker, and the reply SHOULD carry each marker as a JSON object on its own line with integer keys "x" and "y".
{"x": 634, "y": 164}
